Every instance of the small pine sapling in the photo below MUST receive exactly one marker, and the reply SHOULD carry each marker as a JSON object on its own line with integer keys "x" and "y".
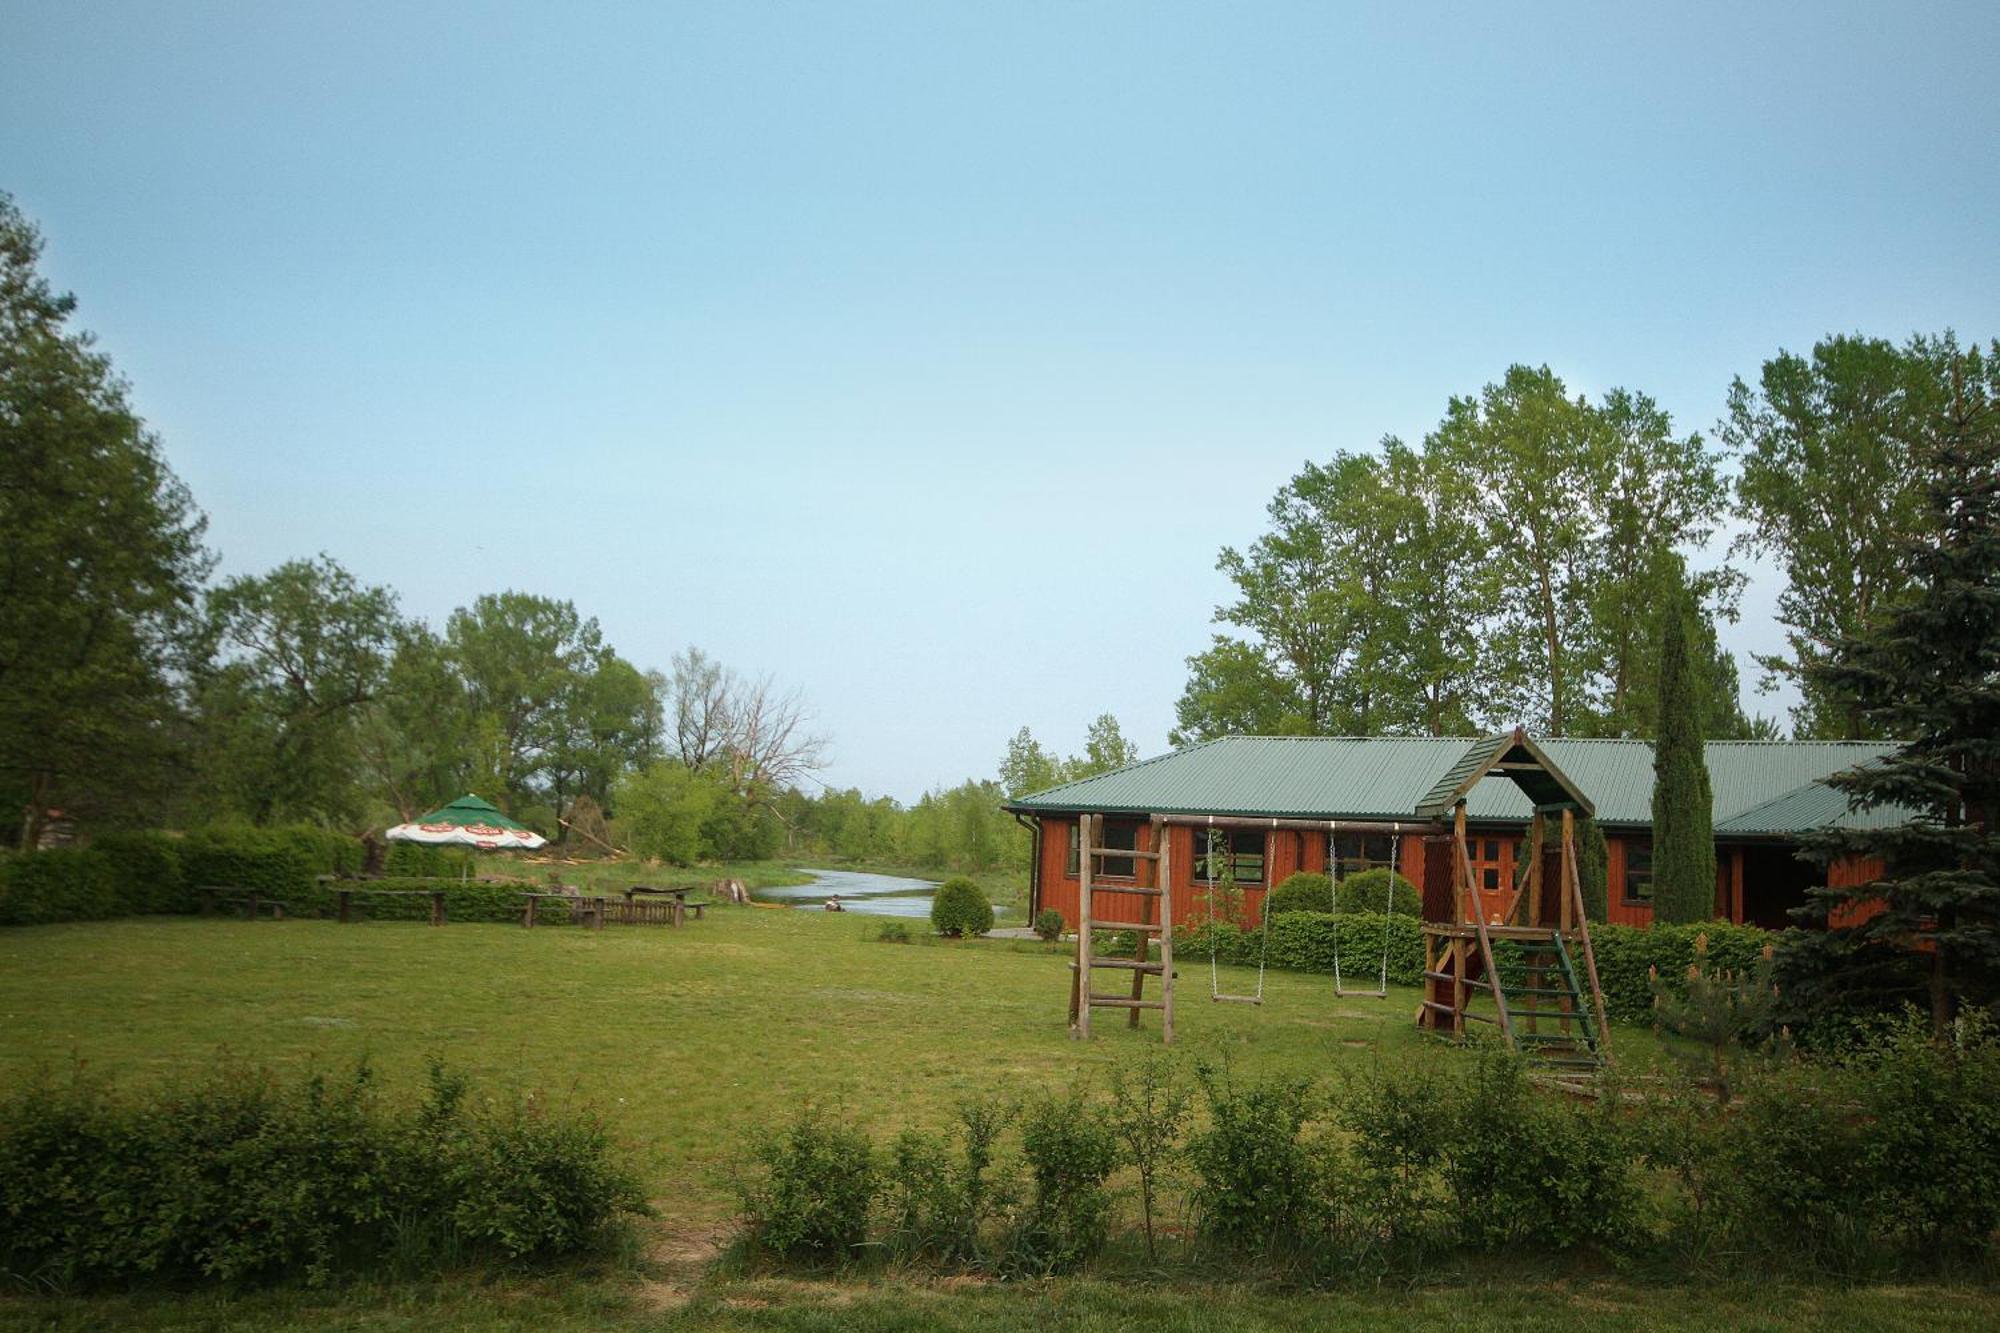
{"x": 1723, "y": 1012}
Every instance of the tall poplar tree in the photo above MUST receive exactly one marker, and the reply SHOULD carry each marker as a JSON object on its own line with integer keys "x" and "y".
{"x": 1927, "y": 671}
{"x": 1683, "y": 803}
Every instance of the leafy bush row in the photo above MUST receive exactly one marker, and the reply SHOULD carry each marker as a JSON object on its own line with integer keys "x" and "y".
{"x": 1886, "y": 1161}
{"x": 241, "y": 1178}
{"x": 407, "y": 899}
{"x": 1367, "y": 891}
{"x": 1305, "y": 942}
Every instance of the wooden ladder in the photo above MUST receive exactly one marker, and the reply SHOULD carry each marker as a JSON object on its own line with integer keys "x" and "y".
{"x": 1083, "y": 994}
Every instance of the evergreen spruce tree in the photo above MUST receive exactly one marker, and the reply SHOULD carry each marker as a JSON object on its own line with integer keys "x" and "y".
{"x": 1683, "y": 804}
{"x": 1927, "y": 672}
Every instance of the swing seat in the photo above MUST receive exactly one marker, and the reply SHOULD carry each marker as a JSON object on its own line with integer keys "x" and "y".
{"x": 1346, "y": 993}
{"x": 1236, "y": 999}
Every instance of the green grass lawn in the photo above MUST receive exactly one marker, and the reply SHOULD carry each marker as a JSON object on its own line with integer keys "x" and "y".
{"x": 690, "y": 1040}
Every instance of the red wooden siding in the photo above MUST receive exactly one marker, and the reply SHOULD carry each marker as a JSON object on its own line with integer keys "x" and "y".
{"x": 1847, "y": 873}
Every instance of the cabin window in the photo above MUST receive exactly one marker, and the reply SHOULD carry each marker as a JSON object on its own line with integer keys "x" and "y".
{"x": 1241, "y": 851}
{"x": 1121, "y": 835}
{"x": 1356, "y": 852}
{"x": 1118, "y": 834}
{"x": 1638, "y": 872}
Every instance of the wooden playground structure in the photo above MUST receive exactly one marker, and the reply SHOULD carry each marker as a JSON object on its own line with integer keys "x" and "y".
{"x": 1525, "y": 946}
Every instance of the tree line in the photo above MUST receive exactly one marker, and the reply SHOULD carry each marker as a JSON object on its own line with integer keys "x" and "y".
{"x": 136, "y": 688}
{"x": 1517, "y": 564}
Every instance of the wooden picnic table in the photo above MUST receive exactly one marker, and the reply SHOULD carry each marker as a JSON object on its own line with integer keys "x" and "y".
{"x": 248, "y": 899}
{"x": 679, "y": 896}
{"x": 435, "y": 895}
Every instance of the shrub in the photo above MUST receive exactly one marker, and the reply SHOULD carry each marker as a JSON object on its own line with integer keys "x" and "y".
{"x": 1305, "y": 942}
{"x": 1365, "y": 893}
{"x": 463, "y": 901}
{"x": 241, "y": 1178}
{"x": 426, "y": 861}
{"x": 812, "y": 1201}
{"x": 1149, "y": 1105}
{"x": 1627, "y": 955}
{"x": 145, "y": 871}
{"x": 1256, "y": 1190}
{"x": 939, "y": 1207}
{"x": 233, "y": 857}
{"x": 1049, "y": 924}
{"x": 1070, "y": 1154}
{"x": 960, "y": 908}
{"x": 893, "y": 932}
{"x": 1303, "y": 891}
{"x": 63, "y": 884}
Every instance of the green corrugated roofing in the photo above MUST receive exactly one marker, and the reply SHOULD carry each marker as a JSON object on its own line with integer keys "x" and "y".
{"x": 1814, "y": 805}
{"x": 1347, "y": 777}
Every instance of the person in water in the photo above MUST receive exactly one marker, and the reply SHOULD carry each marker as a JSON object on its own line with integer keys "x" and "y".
{"x": 833, "y": 904}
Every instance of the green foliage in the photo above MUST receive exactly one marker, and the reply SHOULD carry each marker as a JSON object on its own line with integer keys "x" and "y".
{"x": 1927, "y": 670}
{"x": 104, "y": 554}
{"x": 270, "y": 863}
{"x": 893, "y": 932}
{"x": 1148, "y": 1112}
{"x": 940, "y": 1198}
{"x": 1683, "y": 802}
{"x": 1049, "y": 924}
{"x": 296, "y": 657}
{"x": 1831, "y": 489}
{"x": 1593, "y": 869}
{"x": 812, "y": 1200}
{"x": 664, "y": 811}
{"x": 1368, "y": 892}
{"x": 1257, "y": 1188}
{"x": 66, "y": 884}
{"x": 242, "y": 1178}
{"x": 463, "y": 900}
{"x": 1305, "y": 942}
{"x": 1069, "y": 1154}
{"x": 1631, "y": 958}
{"x": 959, "y": 908}
{"x": 1301, "y": 891}
{"x": 145, "y": 871}
{"x": 422, "y": 860}
{"x": 1720, "y": 1010}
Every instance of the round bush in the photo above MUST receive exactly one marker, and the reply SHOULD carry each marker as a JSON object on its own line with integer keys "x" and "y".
{"x": 1301, "y": 892}
{"x": 1365, "y": 893}
{"x": 959, "y": 908}
{"x": 1049, "y": 924}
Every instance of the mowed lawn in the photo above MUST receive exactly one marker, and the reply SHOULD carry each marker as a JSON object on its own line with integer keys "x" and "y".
{"x": 687, "y": 1039}
{"x": 692, "y": 1039}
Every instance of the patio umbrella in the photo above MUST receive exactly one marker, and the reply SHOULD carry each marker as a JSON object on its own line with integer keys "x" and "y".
{"x": 467, "y": 822}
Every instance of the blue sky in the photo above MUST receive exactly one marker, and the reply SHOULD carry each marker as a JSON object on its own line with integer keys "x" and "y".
{"x": 923, "y": 355}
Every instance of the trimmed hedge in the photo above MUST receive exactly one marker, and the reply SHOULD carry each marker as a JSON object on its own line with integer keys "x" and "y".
{"x": 1305, "y": 941}
{"x": 65, "y": 884}
{"x": 463, "y": 900}
{"x": 240, "y": 1178}
{"x": 146, "y": 871}
{"x": 959, "y": 908}
{"x": 422, "y": 859}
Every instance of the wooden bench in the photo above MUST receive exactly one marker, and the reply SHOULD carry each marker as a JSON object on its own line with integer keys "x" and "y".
{"x": 347, "y": 896}
{"x": 248, "y": 902}
{"x": 590, "y": 911}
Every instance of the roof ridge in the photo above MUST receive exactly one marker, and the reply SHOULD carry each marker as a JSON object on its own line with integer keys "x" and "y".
{"x": 1125, "y": 768}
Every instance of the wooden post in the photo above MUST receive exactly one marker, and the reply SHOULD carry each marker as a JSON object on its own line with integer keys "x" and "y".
{"x": 1536, "y": 828}
{"x": 346, "y": 905}
{"x": 1085, "y": 840}
{"x": 1589, "y": 954}
{"x": 528, "y": 913}
{"x": 437, "y": 907}
{"x": 1568, "y": 861}
{"x": 1164, "y": 875}
{"x": 1736, "y": 885}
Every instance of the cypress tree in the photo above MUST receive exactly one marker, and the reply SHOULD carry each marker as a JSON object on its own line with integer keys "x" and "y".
{"x": 1928, "y": 672}
{"x": 1683, "y": 806}
{"x": 1593, "y": 869}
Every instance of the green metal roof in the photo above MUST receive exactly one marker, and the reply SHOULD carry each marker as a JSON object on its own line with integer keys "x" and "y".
{"x": 1814, "y": 805}
{"x": 1386, "y": 777}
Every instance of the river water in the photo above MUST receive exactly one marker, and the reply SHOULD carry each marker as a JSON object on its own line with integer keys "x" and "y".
{"x": 858, "y": 891}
